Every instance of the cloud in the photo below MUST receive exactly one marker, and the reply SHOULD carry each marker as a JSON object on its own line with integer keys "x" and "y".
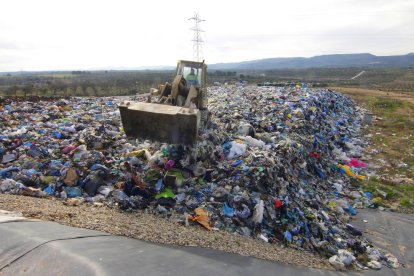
{"x": 8, "y": 45}
{"x": 47, "y": 34}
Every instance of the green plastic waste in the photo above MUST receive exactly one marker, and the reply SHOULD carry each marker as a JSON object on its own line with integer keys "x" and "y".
{"x": 166, "y": 193}
{"x": 176, "y": 173}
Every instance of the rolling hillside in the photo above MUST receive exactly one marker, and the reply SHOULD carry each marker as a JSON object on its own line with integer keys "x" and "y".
{"x": 325, "y": 61}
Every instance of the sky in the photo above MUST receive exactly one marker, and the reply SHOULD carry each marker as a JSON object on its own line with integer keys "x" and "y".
{"x": 99, "y": 34}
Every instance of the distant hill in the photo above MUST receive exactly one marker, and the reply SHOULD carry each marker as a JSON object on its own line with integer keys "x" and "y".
{"x": 364, "y": 60}
{"x": 324, "y": 61}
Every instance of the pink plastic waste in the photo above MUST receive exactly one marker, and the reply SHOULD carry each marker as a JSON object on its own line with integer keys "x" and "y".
{"x": 68, "y": 149}
{"x": 356, "y": 163}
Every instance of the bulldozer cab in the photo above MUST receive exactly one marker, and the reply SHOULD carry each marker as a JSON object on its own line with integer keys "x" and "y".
{"x": 193, "y": 72}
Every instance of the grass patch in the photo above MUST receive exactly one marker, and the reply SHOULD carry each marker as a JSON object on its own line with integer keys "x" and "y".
{"x": 392, "y": 193}
{"x": 382, "y": 189}
{"x": 406, "y": 202}
{"x": 386, "y": 104}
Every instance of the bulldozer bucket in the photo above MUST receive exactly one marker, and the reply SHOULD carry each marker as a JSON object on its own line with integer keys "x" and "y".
{"x": 163, "y": 123}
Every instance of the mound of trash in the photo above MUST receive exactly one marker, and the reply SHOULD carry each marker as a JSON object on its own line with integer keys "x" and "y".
{"x": 277, "y": 164}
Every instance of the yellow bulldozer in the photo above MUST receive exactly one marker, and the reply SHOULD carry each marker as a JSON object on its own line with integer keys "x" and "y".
{"x": 174, "y": 112}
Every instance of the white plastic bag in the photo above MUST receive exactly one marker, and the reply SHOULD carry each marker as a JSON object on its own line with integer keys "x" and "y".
{"x": 258, "y": 212}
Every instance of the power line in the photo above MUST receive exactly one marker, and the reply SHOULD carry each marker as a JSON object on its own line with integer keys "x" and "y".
{"x": 197, "y": 40}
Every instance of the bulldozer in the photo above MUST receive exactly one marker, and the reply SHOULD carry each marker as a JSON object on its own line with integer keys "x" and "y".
{"x": 174, "y": 112}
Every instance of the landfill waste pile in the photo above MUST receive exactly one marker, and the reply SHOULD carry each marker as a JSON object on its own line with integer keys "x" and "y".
{"x": 276, "y": 164}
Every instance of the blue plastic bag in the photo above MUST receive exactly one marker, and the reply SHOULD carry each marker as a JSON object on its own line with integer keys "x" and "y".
{"x": 227, "y": 210}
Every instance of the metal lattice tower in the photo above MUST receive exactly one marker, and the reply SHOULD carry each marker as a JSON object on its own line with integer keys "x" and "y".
{"x": 197, "y": 40}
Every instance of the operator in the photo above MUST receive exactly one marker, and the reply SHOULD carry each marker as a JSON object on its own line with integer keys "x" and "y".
{"x": 192, "y": 78}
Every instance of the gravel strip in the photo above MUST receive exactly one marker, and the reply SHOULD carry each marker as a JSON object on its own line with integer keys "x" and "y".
{"x": 148, "y": 227}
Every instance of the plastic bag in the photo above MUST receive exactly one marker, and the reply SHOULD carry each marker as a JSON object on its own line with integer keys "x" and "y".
{"x": 236, "y": 150}
{"x": 227, "y": 211}
{"x": 250, "y": 141}
{"x": 356, "y": 163}
{"x": 73, "y": 192}
{"x": 258, "y": 212}
{"x": 201, "y": 217}
{"x": 348, "y": 171}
